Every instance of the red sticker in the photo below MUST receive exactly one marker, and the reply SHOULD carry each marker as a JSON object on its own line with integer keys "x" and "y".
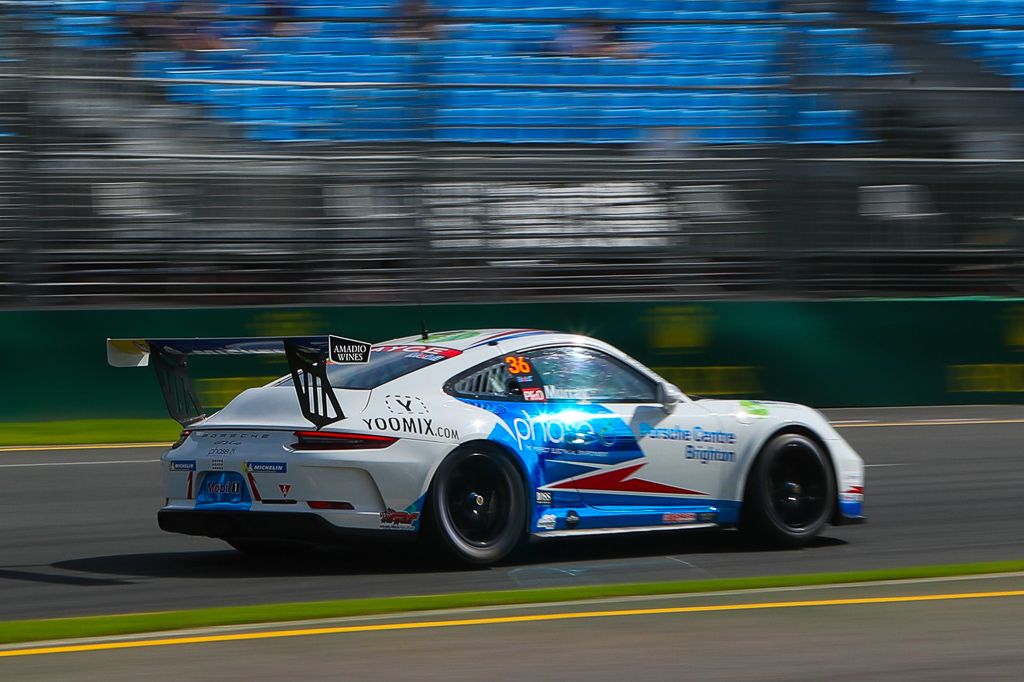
{"x": 285, "y": 487}
{"x": 429, "y": 350}
{"x": 534, "y": 394}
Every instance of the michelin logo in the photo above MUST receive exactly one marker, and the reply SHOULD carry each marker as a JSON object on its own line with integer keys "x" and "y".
{"x": 266, "y": 467}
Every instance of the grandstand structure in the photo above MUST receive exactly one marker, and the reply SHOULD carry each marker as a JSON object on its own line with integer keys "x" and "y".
{"x": 325, "y": 151}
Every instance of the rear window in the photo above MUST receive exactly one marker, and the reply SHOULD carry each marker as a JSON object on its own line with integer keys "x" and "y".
{"x": 387, "y": 363}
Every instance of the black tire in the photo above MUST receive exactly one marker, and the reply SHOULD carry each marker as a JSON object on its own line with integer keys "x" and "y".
{"x": 477, "y": 506}
{"x": 790, "y": 493}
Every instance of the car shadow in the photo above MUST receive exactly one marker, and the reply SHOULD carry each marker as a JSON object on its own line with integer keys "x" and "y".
{"x": 408, "y": 558}
{"x": 598, "y": 547}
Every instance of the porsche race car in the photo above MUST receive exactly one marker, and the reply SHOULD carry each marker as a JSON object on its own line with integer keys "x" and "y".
{"x": 481, "y": 440}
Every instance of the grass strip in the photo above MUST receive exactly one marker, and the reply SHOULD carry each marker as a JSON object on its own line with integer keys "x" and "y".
{"x": 97, "y": 626}
{"x": 88, "y": 431}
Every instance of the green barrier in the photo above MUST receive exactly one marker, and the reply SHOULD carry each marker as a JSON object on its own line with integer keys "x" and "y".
{"x": 823, "y": 353}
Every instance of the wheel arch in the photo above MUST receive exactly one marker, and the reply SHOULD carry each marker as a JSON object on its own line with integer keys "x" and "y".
{"x": 802, "y": 430}
{"x": 494, "y": 446}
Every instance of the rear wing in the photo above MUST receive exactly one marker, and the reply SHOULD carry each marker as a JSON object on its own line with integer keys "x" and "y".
{"x": 308, "y": 358}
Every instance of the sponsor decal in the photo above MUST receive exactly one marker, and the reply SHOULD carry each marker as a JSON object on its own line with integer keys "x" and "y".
{"x": 223, "y": 487}
{"x": 284, "y": 488}
{"x": 546, "y": 522}
{"x": 572, "y": 519}
{"x": 415, "y": 425}
{"x": 754, "y": 408}
{"x": 706, "y": 517}
{"x": 342, "y": 351}
{"x": 533, "y": 394}
{"x": 182, "y": 465}
{"x": 697, "y": 434}
{"x": 684, "y": 517}
{"x": 267, "y": 467}
{"x": 547, "y": 430}
{"x": 390, "y": 518}
{"x": 543, "y": 497}
{"x": 429, "y": 353}
{"x": 705, "y": 455}
{"x": 405, "y": 404}
{"x": 554, "y": 392}
{"x": 452, "y": 336}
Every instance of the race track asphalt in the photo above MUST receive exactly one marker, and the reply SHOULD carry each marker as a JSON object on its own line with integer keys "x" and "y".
{"x": 967, "y": 629}
{"x": 78, "y": 532}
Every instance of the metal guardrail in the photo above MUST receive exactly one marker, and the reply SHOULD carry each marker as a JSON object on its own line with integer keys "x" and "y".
{"x": 110, "y": 195}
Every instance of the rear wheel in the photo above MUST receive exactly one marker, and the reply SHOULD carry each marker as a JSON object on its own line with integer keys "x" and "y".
{"x": 478, "y": 505}
{"x": 790, "y": 492}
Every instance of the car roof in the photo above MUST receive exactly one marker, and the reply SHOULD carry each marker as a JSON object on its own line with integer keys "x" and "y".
{"x": 465, "y": 339}
{"x": 476, "y": 344}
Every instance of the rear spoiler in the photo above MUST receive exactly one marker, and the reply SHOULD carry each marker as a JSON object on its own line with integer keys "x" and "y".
{"x": 308, "y": 358}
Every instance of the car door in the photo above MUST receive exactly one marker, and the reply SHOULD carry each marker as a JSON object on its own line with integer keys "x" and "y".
{"x": 507, "y": 388}
{"x": 616, "y": 444}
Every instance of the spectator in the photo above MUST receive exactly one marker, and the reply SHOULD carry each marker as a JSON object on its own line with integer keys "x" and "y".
{"x": 151, "y": 23}
{"x": 419, "y": 20}
{"x": 195, "y": 29}
{"x": 278, "y": 16}
{"x": 594, "y": 38}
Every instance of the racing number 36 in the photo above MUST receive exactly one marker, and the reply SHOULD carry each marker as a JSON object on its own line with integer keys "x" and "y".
{"x": 517, "y": 364}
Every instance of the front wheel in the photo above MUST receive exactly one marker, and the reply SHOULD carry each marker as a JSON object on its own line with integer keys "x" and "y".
{"x": 790, "y": 492}
{"x": 478, "y": 506}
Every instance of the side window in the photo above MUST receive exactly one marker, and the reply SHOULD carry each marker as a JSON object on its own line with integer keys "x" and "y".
{"x": 582, "y": 374}
{"x": 490, "y": 381}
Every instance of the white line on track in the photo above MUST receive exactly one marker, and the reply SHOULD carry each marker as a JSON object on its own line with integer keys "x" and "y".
{"x": 885, "y": 465}
{"x": 74, "y": 464}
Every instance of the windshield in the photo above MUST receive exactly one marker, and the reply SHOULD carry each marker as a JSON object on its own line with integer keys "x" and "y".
{"x": 386, "y": 363}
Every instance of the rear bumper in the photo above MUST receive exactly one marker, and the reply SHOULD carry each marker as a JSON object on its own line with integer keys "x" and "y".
{"x": 841, "y": 520}
{"x": 299, "y": 527}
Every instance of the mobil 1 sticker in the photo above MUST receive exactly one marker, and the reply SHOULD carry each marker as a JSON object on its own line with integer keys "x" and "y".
{"x": 347, "y": 351}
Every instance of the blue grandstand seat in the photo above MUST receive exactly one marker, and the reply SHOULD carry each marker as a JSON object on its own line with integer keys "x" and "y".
{"x": 486, "y": 70}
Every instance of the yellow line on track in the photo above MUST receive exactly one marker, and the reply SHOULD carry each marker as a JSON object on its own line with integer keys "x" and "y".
{"x": 937, "y": 422}
{"x": 97, "y": 446}
{"x": 541, "y": 617}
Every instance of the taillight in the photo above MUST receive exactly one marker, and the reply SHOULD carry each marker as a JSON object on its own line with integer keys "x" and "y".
{"x": 334, "y": 440}
{"x": 181, "y": 439}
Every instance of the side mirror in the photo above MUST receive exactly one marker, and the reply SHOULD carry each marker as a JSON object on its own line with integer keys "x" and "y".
{"x": 669, "y": 396}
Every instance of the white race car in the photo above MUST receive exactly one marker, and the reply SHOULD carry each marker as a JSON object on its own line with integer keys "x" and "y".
{"x": 482, "y": 439}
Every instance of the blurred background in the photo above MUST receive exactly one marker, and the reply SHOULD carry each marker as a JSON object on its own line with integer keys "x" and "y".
{"x": 305, "y": 152}
{"x": 814, "y": 201}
